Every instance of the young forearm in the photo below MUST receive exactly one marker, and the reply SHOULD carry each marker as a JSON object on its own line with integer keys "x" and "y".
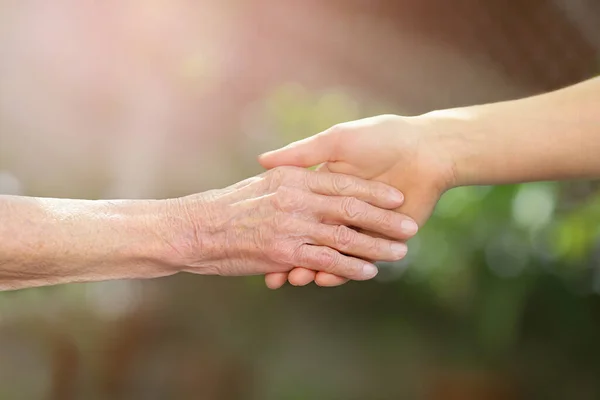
{"x": 52, "y": 241}
{"x": 555, "y": 136}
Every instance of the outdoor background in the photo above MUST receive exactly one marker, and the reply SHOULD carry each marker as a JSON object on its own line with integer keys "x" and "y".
{"x": 498, "y": 299}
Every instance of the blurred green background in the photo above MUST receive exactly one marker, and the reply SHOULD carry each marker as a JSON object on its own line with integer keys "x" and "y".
{"x": 499, "y": 297}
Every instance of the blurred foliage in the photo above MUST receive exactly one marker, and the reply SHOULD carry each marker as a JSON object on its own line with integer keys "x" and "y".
{"x": 298, "y": 112}
{"x": 497, "y": 299}
{"x": 496, "y": 267}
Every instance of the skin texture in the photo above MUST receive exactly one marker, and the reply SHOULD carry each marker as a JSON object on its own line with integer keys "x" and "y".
{"x": 294, "y": 217}
{"x": 283, "y": 218}
{"x": 554, "y": 136}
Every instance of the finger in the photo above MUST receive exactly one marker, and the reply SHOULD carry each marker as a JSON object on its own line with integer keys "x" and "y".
{"x": 348, "y": 241}
{"x": 321, "y": 258}
{"x": 275, "y": 280}
{"x": 372, "y": 234}
{"x": 301, "y": 276}
{"x": 350, "y": 211}
{"x": 303, "y": 153}
{"x": 325, "y": 279}
{"x": 376, "y": 193}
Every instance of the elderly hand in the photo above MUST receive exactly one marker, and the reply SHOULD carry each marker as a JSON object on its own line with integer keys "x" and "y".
{"x": 290, "y": 217}
{"x": 284, "y": 218}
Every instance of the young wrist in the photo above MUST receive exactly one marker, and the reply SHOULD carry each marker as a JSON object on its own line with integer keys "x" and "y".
{"x": 454, "y": 135}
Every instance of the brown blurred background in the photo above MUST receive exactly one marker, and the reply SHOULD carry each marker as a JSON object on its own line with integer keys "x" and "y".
{"x": 499, "y": 298}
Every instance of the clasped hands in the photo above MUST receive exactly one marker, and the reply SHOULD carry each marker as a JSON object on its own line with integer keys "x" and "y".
{"x": 401, "y": 152}
{"x": 378, "y": 180}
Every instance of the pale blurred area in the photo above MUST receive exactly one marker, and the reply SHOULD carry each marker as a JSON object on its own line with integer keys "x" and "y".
{"x": 499, "y": 298}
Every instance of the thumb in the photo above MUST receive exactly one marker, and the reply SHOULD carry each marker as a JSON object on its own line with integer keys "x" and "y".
{"x": 303, "y": 153}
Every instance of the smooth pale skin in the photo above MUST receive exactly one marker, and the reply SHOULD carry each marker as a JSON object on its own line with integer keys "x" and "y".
{"x": 285, "y": 217}
{"x": 554, "y": 136}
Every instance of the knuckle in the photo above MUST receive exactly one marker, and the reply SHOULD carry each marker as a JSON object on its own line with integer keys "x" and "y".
{"x": 344, "y": 236}
{"x": 384, "y": 219}
{"x": 285, "y": 176}
{"x": 304, "y": 178}
{"x": 299, "y": 256}
{"x": 378, "y": 190}
{"x": 278, "y": 199}
{"x": 328, "y": 259}
{"x": 352, "y": 208}
{"x": 341, "y": 183}
{"x": 376, "y": 247}
{"x": 274, "y": 174}
{"x": 370, "y": 244}
{"x": 283, "y": 192}
{"x": 272, "y": 179}
{"x": 288, "y": 199}
{"x": 276, "y": 177}
{"x": 283, "y": 253}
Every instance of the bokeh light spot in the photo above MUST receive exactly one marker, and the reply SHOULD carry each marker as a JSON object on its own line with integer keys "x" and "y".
{"x": 533, "y": 205}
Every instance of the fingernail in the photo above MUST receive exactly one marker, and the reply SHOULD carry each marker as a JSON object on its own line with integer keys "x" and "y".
{"x": 369, "y": 271}
{"x": 399, "y": 249}
{"x": 396, "y": 196}
{"x": 409, "y": 227}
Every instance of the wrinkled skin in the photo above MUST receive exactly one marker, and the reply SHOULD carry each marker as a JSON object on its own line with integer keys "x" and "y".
{"x": 403, "y": 152}
{"x": 291, "y": 217}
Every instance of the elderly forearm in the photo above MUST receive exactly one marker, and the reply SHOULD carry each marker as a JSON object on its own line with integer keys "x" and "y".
{"x": 51, "y": 241}
{"x": 553, "y": 136}
{"x": 270, "y": 223}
